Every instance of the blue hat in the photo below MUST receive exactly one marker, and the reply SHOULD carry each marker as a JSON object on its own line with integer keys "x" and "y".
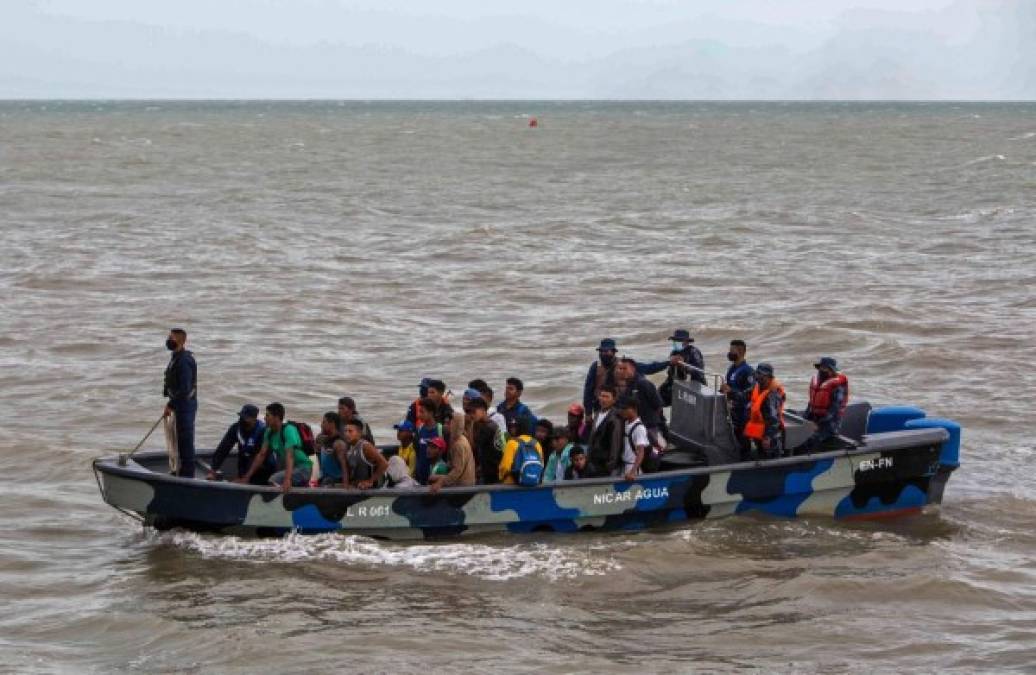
{"x": 764, "y": 369}
{"x": 425, "y": 381}
{"x": 472, "y": 394}
{"x": 826, "y": 362}
{"x": 681, "y": 335}
{"x": 405, "y": 425}
{"x": 248, "y": 411}
{"x": 607, "y": 344}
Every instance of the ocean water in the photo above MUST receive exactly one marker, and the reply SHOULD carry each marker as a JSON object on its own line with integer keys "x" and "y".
{"x": 320, "y": 249}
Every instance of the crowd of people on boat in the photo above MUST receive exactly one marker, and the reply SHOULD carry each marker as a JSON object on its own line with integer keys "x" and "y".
{"x": 619, "y": 429}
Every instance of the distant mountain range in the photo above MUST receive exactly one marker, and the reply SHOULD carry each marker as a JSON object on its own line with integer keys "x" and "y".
{"x": 869, "y": 55}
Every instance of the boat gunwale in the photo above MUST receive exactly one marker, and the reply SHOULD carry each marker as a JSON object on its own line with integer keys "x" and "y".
{"x": 911, "y": 438}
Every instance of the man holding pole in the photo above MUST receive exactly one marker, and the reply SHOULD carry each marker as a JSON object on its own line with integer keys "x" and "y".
{"x": 181, "y": 390}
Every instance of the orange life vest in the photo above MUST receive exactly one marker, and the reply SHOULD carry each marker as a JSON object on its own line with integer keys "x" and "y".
{"x": 820, "y": 394}
{"x": 755, "y": 429}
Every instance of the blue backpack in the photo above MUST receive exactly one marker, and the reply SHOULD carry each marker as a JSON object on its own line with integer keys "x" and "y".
{"x": 527, "y": 467}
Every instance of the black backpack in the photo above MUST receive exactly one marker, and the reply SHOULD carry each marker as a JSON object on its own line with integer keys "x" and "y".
{"x": 650, "y": 462}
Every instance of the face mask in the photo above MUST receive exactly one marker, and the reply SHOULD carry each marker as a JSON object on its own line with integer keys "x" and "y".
{"x": 170, "y": 344}
{"x": 731, "y": 356}
{"x": 677, "y": 346}
{"x": 607, "y": 359}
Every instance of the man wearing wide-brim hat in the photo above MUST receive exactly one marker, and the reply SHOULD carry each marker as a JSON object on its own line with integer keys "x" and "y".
{"x": 685, "y": 360}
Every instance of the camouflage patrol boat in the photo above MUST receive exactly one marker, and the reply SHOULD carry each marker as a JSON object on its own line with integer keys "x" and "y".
{"x": 896, "y": 461}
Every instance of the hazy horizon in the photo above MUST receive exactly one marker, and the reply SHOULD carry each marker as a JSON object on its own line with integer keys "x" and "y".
{"x": 612, "y": 50}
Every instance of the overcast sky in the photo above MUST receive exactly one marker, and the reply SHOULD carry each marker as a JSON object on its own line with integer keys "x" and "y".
{"x": 628, "y": 49}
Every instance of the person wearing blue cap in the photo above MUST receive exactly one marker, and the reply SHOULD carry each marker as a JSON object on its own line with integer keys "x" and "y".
{"x": 405, "y": 432}
{"x": 246, "y": 434}
{"x": 828, "y": 398}
{"x": 601, "y": 372}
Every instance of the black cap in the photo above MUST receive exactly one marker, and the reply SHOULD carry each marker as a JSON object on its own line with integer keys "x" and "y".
{"x": 826, "y": 362}
{"x": 764, "y": 369}
{"x": 607, "y": 344}
{"x": 248, "y": 411}
{"x": 681, "y": 335}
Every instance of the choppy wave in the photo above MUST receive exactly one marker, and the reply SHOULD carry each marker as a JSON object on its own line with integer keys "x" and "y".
{"x": 494, "y": 563}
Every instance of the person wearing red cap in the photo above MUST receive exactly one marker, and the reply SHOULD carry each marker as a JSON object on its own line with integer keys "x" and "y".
{"x": 578, "y": 429}
{"x": 436, "y": 457}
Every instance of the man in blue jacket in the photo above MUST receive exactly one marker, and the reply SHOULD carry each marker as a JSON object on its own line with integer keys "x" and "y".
{"x": 181, "y": 390}
{"x": 738, "y": 387}
{"x": 512, "y": 408}
{"x": 247, "y": 435}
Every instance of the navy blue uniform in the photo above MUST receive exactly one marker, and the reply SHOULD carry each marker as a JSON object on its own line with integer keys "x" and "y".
{"x": 181, "y": 387}
{"x": 248, "y": 446}
{"x": 741, "y": 380}
{"x": 691, "y": 356}
{"x": 829, "y": 424}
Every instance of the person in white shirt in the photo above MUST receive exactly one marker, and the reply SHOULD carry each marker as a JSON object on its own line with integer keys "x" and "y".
{"x": 636, "y": 442}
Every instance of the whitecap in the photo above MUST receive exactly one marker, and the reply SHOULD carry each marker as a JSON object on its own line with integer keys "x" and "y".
{"x": 491, "y": 562}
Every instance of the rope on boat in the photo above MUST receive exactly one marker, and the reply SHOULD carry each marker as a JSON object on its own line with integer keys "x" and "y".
{"x": 124, "y": 457}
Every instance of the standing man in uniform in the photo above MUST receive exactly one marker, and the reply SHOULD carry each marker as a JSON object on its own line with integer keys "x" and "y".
{"x": 685, "y": 360}
{"x": 181, "y": 390}
{"x": 738, "y": 387}
{"x": 765, "y": 427}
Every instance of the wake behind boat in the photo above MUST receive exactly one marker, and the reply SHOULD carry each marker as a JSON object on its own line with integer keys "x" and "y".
{"x": 896, "y": 461}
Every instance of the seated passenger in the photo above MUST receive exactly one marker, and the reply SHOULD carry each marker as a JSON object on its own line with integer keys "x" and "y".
{"x": 508, "y": 472}
{"x": 828, "y": 398}
{"x": 765, "y": 426}
{"x": 489, "y": 442}
{"x": 347, "y": 411}
{"x": 437, "y": 457}
{"x": 283, "y": 440}
{"x": 578, "y": 427}
{"x": 578, "y": 467}
{"x": 435, "y": 392}
{"x": 636, "y": 444}
{"x": 461, "y": 465}
{"x": 247, "y": 435}
{"x": 407, "y": 452}
{"x": 427, "y": 429}
{"x": 560, "y": 456}
{"x": 543, "y": 432}
{"x": 512, "y": 407}
{"x": 494, "y": 414}
{"x": 330, "y": 446}
{"x": 364, "y": 464}
{"x": 397, "y": 475}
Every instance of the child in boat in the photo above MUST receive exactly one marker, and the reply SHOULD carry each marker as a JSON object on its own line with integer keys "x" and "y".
{"x": 560, "y": 451}
{"x": 405, "y": 431}
{"x": 577, "y": 467}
